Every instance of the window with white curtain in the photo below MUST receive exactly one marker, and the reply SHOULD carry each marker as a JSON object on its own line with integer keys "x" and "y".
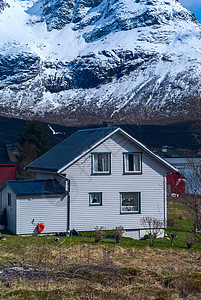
{"x": 132, "y": 163}
{"x": 101, "y": 163}
{"x": 130, "y": 202}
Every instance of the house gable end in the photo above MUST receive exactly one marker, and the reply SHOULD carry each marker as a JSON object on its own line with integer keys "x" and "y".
{"x": 127, "y": 136}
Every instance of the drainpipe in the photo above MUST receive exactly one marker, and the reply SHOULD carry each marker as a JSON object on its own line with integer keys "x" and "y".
{"x": 165, "y": 199}
{"x": 67, "y": 188}
{"x": 68, "y": 206}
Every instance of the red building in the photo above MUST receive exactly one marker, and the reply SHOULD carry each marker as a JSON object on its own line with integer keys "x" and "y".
{"x": 175, "y": 184}
{"x": 8, "y": 169}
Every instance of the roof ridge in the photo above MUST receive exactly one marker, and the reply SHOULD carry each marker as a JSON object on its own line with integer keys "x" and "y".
{"x": 101, "y": 128}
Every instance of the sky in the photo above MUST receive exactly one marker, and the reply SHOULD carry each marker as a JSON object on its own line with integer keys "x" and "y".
{"x": 194, "y": 6}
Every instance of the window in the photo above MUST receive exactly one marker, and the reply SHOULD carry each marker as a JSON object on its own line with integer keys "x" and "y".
{"x": 130, "y": 202}
{"x": 95, "y": 198}
{"x": 101, "y": 163}
{"x": 132, "y": 163}
{"x": 9, "y": 199}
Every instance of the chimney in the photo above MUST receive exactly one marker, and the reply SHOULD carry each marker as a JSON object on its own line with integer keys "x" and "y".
{"x": 108, "y": 124}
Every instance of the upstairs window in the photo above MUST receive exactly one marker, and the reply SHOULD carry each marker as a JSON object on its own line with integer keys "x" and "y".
{"x": 9, "y": 199}
{"x": 132, "y": 163}
{"x": 101, "y": 163}
{"x": 95, "y": 198}
{"x": 130, "y": 202}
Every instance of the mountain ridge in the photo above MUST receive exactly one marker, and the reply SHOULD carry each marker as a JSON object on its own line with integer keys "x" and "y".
{"x": 127, "y": 60}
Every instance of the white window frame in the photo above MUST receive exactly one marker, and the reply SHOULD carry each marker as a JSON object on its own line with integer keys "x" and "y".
{"x": 91, "y": 195}
{"x": 125, "y": 155}
{"x": 130, "y": 211}
{"x": 93, "y": 171}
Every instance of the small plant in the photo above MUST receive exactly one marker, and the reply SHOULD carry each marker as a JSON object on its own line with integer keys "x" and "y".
{"x": 118, "y": 232}
{"x": 145, "y": 237}
{"x": 99, "y": 233}
{"x": 189, "y": 241}
{"x": 170, "y": 224}
{"x": 172, "y": 237}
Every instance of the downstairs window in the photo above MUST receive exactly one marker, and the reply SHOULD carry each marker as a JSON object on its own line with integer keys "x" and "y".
{"x": 95, "y": 199}
{"x": 130, "y": 202}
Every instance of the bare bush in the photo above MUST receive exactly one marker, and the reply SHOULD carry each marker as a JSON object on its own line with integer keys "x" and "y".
{"x": 118, "y": 233}
{"x": 99, "y": 233}
{"x": 153, "y": 227}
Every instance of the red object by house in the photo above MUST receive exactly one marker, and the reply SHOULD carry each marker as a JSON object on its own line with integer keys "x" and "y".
{"x": 175, "y": 184}
{"x": 7, "y": 172}
{"x": 8, "y": 169}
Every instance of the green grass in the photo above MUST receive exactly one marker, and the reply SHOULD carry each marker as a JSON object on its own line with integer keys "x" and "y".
{"x": 15, "y": 245}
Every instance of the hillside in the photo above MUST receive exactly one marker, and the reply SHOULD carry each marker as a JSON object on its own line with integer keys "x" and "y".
{"x": 178, "y": 135}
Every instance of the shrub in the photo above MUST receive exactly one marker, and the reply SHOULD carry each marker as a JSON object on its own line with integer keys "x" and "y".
{"x": 153, "y": 227}
{"x": 189, "y": 241}
{"x": 99, "y": 233}
{"x": 118, "y": 232}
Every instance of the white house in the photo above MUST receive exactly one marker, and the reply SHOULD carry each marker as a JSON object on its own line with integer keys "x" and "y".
{"x": 100, "y": 177}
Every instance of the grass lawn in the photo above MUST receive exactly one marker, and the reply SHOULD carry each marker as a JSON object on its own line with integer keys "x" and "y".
{"x": 38, "y": 267}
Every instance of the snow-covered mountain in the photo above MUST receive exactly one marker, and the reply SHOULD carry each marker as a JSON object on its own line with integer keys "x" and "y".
{"x": 78, "y": 61}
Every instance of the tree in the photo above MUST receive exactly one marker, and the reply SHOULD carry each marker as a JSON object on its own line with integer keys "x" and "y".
{"x": 34, "y": 133}
{"x": 192, "y": 197}
{"x": 33, "y": 142}
{"x": 196, "y": 132}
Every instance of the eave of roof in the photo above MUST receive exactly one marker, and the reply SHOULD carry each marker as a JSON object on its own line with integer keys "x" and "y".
{"x": 8, "y": 164}
{"x": 35, "y": 187}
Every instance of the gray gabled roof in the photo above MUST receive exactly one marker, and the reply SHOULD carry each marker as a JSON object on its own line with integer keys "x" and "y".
{"x": 35, "y": 187}
{"x": 69, "y": 149}
{"x": 78, "y": 144}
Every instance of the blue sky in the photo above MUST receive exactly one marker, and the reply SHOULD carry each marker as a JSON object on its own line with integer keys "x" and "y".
{"x": 194, "y": 6}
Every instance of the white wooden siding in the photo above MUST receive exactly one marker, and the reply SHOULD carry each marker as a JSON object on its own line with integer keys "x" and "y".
{"x": 10, "y": 210}
{"x": 151, "y": 185}
{"x": 52, "y": 211}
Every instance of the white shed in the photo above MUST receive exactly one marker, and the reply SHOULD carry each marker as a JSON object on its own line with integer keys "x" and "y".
{"x": 29, "y": 203}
